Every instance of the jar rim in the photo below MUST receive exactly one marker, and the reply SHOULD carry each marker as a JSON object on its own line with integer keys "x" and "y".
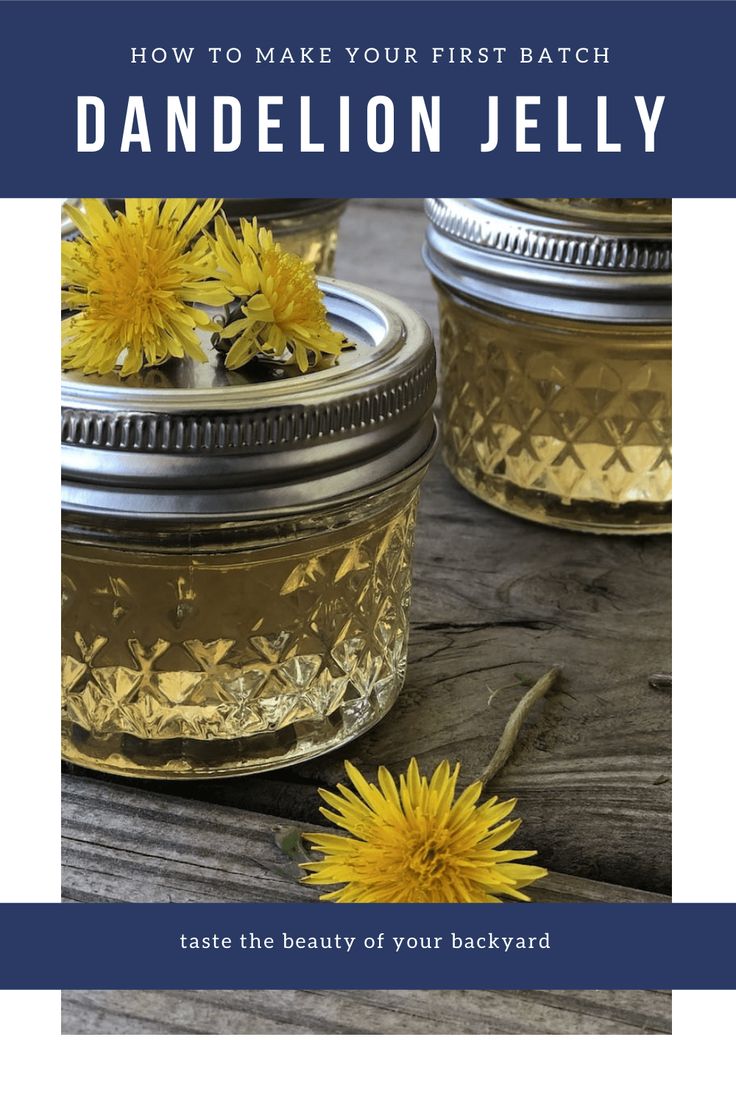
{"x": 231, "y": 441}
{"x": 513, "y": 254}
{"x": 85, "y": 508}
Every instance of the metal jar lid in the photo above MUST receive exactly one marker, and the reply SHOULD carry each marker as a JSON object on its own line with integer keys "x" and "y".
{"x": 606, "y": 265}
{"x": 201, "y": 442}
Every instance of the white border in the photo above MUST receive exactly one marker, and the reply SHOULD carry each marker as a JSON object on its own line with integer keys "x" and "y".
{"x": 29, "y": 811}
{"x": 698, "y": 1056}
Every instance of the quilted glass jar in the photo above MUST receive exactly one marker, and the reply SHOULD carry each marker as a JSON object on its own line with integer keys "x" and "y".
{"x": 236, "y": 561}
{"x": 556, "y": 347}
{"x": 307, "y": 227}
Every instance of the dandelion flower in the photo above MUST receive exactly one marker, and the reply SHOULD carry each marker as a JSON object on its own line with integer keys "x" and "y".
{"x": 415, "y": 842}
{"x": 282, "y": 313}
{"x": 132, "y": 280}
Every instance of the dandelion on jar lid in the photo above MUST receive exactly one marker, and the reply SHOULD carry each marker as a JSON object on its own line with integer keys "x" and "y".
{"x": 237, "y": 540}
{"x": 277, "y": 308}
{"x": 134, "y": 284}
{"x": 556, "y": 347}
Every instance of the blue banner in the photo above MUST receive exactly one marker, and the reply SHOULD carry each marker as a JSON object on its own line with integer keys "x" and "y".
{"x": 295, "y": 946}
{"x": 310, "y": 99}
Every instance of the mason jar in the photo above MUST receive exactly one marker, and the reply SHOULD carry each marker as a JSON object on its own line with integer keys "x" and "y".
{"x": 237, "y": 551}
{"x": 556, "y": 347}
{"x": 307, "y": 227}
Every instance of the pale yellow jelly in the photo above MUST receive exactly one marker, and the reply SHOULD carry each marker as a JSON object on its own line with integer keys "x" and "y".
{"x": 232, "y": 659}
{"x": 560, "y": 421}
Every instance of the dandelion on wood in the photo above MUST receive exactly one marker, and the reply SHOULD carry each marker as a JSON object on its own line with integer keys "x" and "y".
{"x": 415, "y": 843}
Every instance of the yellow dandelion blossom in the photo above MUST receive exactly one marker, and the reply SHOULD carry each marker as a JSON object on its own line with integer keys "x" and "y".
{"x": 415, "y": 842}
{"x": 282, "y": 310}
{"x": 132, "y": 280}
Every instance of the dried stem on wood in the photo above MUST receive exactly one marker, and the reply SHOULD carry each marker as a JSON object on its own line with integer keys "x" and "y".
{"x": 513, "y": 725}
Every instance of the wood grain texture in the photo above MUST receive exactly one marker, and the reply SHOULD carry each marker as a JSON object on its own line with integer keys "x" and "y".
{"x": 380, "y": 246}
{"x": 374, "y": 1012}
{"x": 119, "y": 844}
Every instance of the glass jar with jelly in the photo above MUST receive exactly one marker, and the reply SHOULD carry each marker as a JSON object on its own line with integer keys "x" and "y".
{"x": 556, "y": 348}
{"x": 307, "y": 227}
{"x": 237, "y": 549}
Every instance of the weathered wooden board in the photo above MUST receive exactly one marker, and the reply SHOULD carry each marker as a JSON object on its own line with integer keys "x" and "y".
{"x": 374, "y": 1012}
{"x": 120, "y": 844}
{"x": 380, "y": 246}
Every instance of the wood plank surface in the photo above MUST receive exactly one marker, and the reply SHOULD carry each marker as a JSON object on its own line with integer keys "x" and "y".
{"x": 370, "y": 1012}
{"x": 119, "y": 844}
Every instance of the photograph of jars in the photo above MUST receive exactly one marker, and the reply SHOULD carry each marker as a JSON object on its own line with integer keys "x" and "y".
{"x": 555, "y": 356}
